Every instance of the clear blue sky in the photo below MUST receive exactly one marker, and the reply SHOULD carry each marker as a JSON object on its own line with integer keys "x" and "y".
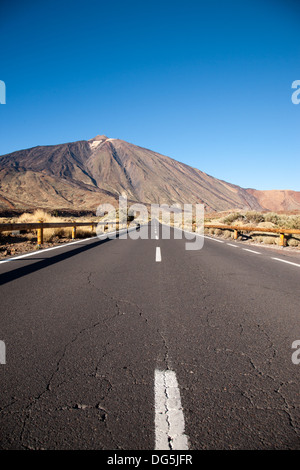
{"x": 205, "y": 82}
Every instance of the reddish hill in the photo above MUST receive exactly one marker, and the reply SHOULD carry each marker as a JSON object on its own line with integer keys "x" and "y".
{"x": 277, "y": 200}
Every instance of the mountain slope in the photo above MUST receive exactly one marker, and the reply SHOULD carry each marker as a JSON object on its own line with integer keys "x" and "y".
{"x": 277, "y": 200}
{"x": 149, "y": 177}
{"x": 80, "y": 175}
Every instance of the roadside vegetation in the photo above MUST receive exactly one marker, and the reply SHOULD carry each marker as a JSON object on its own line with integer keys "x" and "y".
{"x": 26, "y": 241}
{"x": 256, "y": 219}
{"x": 12, "y": 243}
{"x": 17, "y": 242}
{"x": 52, "y": 234}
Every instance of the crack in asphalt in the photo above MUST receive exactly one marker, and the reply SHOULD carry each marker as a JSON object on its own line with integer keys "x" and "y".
{"x": 287, "y": 408}
{"x": 48, "y": 387}
{"x": 166, "y": 358}
{"x": 117, "y": 301}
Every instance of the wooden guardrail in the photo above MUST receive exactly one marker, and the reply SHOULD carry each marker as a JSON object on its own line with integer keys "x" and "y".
{"x": 41, "y": 225}
{"x": 283, "y": 232}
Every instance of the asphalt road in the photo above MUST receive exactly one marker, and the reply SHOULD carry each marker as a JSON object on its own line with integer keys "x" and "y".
{"x": 93, "y": 329}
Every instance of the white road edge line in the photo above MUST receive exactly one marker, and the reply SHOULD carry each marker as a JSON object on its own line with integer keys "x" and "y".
{"x": 37, "y": 252}
{"x": 251, "y": 251}
{"x": 210, "y": 238}
{"x": 288, "y": 262}
{"x": 158, "y": 255}
{"x": 197, "y": 234}
{"x": 169, "y": 419}
{"x": 231, "y": 244}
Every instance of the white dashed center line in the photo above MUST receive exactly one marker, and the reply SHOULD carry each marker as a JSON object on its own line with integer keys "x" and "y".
{"x": 158, "y": 254}
{"x": 169, "y": 419}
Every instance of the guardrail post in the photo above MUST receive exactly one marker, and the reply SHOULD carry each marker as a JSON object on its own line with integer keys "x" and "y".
{"x": 74, "y": 232}
{"x": 282, "y": 240}
{"x": 235, "y": 234}
{"x": 40, "y": 234}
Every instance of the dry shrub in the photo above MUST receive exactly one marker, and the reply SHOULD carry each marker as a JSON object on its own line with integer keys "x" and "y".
{"x": 238, "y": 218}
{"x": 229, "y": 219}
{"x": 227, "y": 234}
{"x": 254, "y": 217}
{"x": 38, "y": 215}
{"x": 243, "y": 223}
{"x": 265, "y": 225}
{"x": 85, "y": 232}
{"x": 268, "y": 240}
{"x": 267, "y": 220}
{"x": 273, "y": 218}
{"x": 284, "y": 220}
{"x": 51, "y": 234}
{"x": 293, "y": 241}
{"x": 293, "y": 222}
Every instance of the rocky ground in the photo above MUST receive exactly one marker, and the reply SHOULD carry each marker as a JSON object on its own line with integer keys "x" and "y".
{"x": 17, "y": 245}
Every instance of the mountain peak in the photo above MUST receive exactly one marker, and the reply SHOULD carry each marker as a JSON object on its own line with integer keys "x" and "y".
{"x": 99, "y": 137}
{"x": 84, "y": 174}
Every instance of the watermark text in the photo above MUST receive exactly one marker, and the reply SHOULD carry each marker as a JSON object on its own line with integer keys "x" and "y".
{"x": 296, "y": 354}
{"x": 187, "y": 222}
{"x": 2, "y": 92}
{"x": 296, "y": 94}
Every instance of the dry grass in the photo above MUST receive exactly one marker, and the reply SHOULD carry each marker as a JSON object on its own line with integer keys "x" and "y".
{"x": 246, "y": 218}
{"x": 52, "y": 234}
{"x": 266, "y": 239}
{"x": 261, "y": 220}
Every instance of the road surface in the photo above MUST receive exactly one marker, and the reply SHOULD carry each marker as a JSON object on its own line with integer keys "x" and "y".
{"x": 141, "y": 344}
